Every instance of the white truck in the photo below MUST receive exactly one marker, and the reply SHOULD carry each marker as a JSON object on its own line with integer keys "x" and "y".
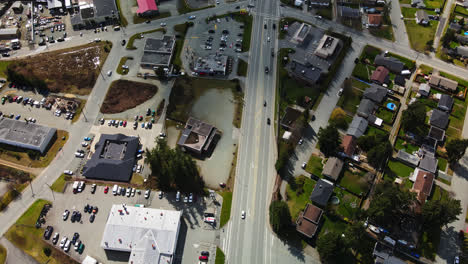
{"x": 75, "y": 186}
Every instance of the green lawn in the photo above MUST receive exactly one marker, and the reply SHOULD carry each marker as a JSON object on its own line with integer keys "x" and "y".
{"x": 408, "y": 12}
{"x": 426, "y": 69}
{"x": 121, "y": 70}
{"x": 442, "y": 165}
{"x": 396, "y": 168}
{"x": 369, "y": 53}
{"x": 419, "y": 35}
{"x": 452, "y": 133}
{"x": 434, "y": 4}
{"x": 3, "y": 254}
{"x": 385, "y": 115}
{"x": 3, "y": 66}
{"x": 348, "y": 205}
{"x": 298, "y": 194}
{"x": 220, "y": 258}
{"x": 371, "y": 130}
{"x": 242, "y": 67}
{"x": 406, "y": 146}
{"x": 59, "y": 184}
{"x": 385, "y": 31}
{"x": 354, "y": 182}
{"x": 123, "y": 20}
{"x": 360, "y": 85}
{"x": 349, "y": 101}
{"x": 331, "y": 223}
{"x": 456, "y": 122}
{"x": 314, "y": 165}
{"x": 453, "y": 44}
{"x": 363, "y": 71}
{"x": 460, "y": 10}
{"x": 226, "y": 208}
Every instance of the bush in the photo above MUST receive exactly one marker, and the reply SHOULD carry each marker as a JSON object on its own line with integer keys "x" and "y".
{"x": 47, "y": 251}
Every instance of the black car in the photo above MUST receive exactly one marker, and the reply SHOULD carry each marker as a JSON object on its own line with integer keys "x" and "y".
{"x": 265, "y": 26}
{"x": 148, "y": 21}
{"x": 78, "y": 216}
{"x": 205, "y": 253}
{"x": 237, "y": 7}
{"x": 274, "y": 26}
{"x": 6, "y": 55}
{"x": 75, "y": 237}
{"x": 267, "y": 70}
{"x": 48, "y": 232}
{"x": 123, "y": 42}
{"x": 264, "y": 103}
{"x": 91, "y": 218}
{"x": 73, "y": 217}
{"x": 86, "y": 207}
{"x": 211, "y": 31}
{"x": 268, "y": 121}
{"x": 225, "y": 32}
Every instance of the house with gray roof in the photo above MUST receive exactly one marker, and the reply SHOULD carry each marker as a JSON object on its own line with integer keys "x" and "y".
{"x": 332, "y": 168}
{"x": 348, "y": 12}
{"x": 322, "y": 192}
{"x": 358, "y": 127}
{"x": 462, "y": 51}
{"x": 375, "y": 93}
{"x": 428, "y": 163}
{"x": 308, "y": 73}
{"x": 407, "y": 158}
{"x": 366, "y": 108}
{"x": 391, "y": 63}
{"x": 462, "y": 39}
{"x": 436, "y": 133}
{"x": 424, "y": 89}
{"x": 445, "y": 103}
{"x": 422, "y": 17}
{"x": 439, "y": 119}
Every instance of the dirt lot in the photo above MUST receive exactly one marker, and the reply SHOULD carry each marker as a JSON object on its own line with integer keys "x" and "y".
{"x": 53, "y": 68}
{"x": 124, "y": 95}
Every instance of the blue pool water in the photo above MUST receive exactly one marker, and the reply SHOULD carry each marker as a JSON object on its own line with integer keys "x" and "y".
{"x": 391, "y": 106}
{"x": 466, "y": 33}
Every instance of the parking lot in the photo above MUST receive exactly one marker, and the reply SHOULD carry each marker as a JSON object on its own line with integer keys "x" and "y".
{"x": 194, "y": 236}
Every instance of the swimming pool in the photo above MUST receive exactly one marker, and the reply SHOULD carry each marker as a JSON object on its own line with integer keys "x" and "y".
{"x": 391, "y": 106}
{"x": 466, "y": 33}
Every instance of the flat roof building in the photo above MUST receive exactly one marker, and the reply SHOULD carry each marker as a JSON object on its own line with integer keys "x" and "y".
{"x": 150, "y": 235}
{"x": 26, "y": 135}
{"x": 94, "y": 12}
{"x": 158, "y": 52}
{"x": 9, "y": 33}
{"x": 197, "y": 136}
{"x": 213, "y": 64}
{"x": 113, "y": 158}
{"x": 327, "y": 46}
{"x": 308, "y": 73}
{"x": 301, "y": 33}
{"x": 147, "y": 8}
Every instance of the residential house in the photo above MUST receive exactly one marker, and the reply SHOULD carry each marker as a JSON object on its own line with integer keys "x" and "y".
{"x": 407, "y": 158}
{"x": 400, "y": 80}
{"x": 424, "y": 89}
{"x": 443, "y": 83}
{"x": 289, "y": 118}
{"x": 455, "y": 27}
{"x": 303, "y": 72}
{"x": 436, "y": 133}
{"x": 462, "y": 51}
{"x": 376, "y": 93}
{"x": 380, "y": 75}
{"x": 463, "y": 39}
{"x": 332, "y": 168}
{"x": 422, "y": 17}
{"x": 349, "y": 145}
{"x": 322, "y": 192}
{"x": 428, "y": 163}
{"x": 358, "y": 127}
{"x": 391, "y": 63}
{"x": 422, "y": 185}
{"x": 366, "y": 108}
{"x": 308, "y": 220}
{"x": 428, "y": 145}
{"x": 147, "y": 8}
{"x": 348, "y": 12}
{"x": 320, "y": 3}
{"x": 374, "y": 20}
{"x": 445, "y": 103}
{"x": 439, "y": 119}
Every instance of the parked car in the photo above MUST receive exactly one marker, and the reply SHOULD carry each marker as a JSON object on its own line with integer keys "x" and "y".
{"x": 304, "y": 164}
{"x": 77, "y": 245}
{"x": 63, "y": 241}
{"x": 205, "y": 253}
{"x": 203, "y": 258}
{"x": 93, "y": 188}
{"x": 75, "y": 237}
{"x": 147, "y": 193}
{"x": 106, "y": 189}
{"x": 243, "y": 214}
{"x": 65, "y": 215}
{"x": 91, "y": 218}
{"x": 66, "y": 248}
{"x": 48, "y": 232}
{"x": 55, "y": 238}
{"x": 129, "y": 192}
{"x": 160, "y": 194}
{"x": 190, "y": 199}
{"x": 68, "y": 172}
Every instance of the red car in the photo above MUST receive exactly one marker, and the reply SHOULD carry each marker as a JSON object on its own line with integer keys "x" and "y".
{"x": 106, "y": 189}
{"x": 14, "y": 98}
{"x": 125, "y": 123}
{"x": 203, "y": 258}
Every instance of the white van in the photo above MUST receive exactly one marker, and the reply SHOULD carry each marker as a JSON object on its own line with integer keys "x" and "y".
{"x": 405, "y": 72}
{"x": 177, "y": 196}
{"x": 114, "y": 189}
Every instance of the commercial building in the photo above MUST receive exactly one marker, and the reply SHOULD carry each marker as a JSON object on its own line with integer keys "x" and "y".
{"x": 158, "y": 52}
{"x": 301, "y": 33}
{"x": 213, "y": 64}
{"x": 147, "y": 8}
{"x": 91, "y": 13}
{"x": 327, "y": 46}
{"x": 113, "y": 158}
{"x": 303, "y": 72}
{"x": 26, "y": 135}
{"x": 197, "y": 136}
{"x": 308, "y": 220}
{"x": 8, "y": 33}
{"x": 150, "y": 235}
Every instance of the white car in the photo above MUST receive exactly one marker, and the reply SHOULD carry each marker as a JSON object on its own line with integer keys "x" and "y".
{"x": 374, "y": 229}
{"x": 109, "y": 73}
{"x": 243, "y": 214}
{"x": 139, "y": 168}
{"x": 63, "y": 241}
{"x": 129, "y": 192}
{"x": 340, "y": 92}
{"x": 65, "y": 215}
{"x": 163, "y": 24}
{"x": 268, "y": 39}
{"x": 133, "y": 192}
{"x": 68, "y": 172}
{"x": 79, "y": 155}
{"x": 301, "y": 141}
{"x": 97, "y": 40}
{"x": 147, "y": 193}
{"x": 84, "y": 144}
{"x": 318, "y": 17}
{"x": 66, "y": 248}
{"x": 304, "y": 164}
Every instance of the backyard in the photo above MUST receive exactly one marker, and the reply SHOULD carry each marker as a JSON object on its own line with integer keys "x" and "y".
{"x": 401, "y": 144}
{"x": 420, "y": 35}
{"x": 363, "y": 71}
{"x": 397, "y": 169}
{"x": 348, "y": 204}
{"x": 314, "y": 165}
{"x": 385, "y": 115}
{"x": 350, "y": 99}
{"x": 355, "y": 181}
{"x": 298, "y": 194}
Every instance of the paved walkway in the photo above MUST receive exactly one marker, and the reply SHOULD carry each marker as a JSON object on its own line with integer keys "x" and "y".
{"x": 16, "y": 255}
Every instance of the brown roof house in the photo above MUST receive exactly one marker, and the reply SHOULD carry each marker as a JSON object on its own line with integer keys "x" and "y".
{"x": 443, "y": 83}
{"x": 380, "y": 75}
{"x": 197, "y": 136}
{"x": 332, "y": 168}
{"x": 422, "y": 184}
{"x": 374, "y": 20}
{"x": 349, "y": 145}
{"x": 307, "y": 222}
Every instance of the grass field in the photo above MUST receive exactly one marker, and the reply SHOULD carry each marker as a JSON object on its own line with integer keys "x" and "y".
{"x": 363, "y": 71}
{"x": 59, "y": 184}
{"x": 442, "y": 164}
{"x": 385, "y": 115}
{"x": 123, "y": 95}
{"x": 460, "y": 10}
{"x": 3, "y": 254}
{"x": 226, "y": 208}
{"x": 348, "y": 205}
{"x": 3, "y": 66}
{"x": 385, "y": 31}
{"x": 138, "y": 19}
{"x": 24, "y": 235}
{"x": 242, "y": 68}
{"x": 298, "y": 194}
{"x": 220, "y": 258}
{"x": 419, "y": 35}
{"x": 371, "y": 130}
{"x": 122, "y": 62}
{"x": 397, "y": 168}
{"x": 354, "y": 182}
{"x": 433, "y": 4}
{"x": 21, "y": 157}
{"x": 408, "y": 12}
{"x": 350, "y": 100}
{"x": 314, "y": 165}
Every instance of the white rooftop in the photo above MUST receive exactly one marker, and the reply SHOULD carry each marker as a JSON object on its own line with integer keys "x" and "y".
{"x": 149, "y": 234}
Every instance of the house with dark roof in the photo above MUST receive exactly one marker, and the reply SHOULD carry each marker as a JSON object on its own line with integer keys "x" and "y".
{"x": 422, "y": 17}
{"x": 436, "y": 133}
{"x": 366, "y": 108}
{"x": 383, "y": 254}
{"x": 455, "y": 26}
{"x": 400, "y": 80}
{"x": 422, "y": 185}
{"x": 428, "y": 163}
{"x": 94, "y": 12}
{"x": 374, "y": 20}
{"x": 376, "y": 93}
{"x": 391, "y": 63}
{"x": 349, "y": 145}
{"x": 462, "y": 51}
{"x": 348, "y": 12}
{"x": 308, "y": 220}
{"x": 358, "y": 127}
{"x": 443, "y": 83}
{"x": 113, "y": 158}
{"x": 322, "y": 192}
{"x": 197, "y": 136}
{"x": 320, "y": 3}
{"x": 289, "y": 118}
{"x": 332, "y": 168}
{"x": 407, "y": 158}
{"x": 445, "y": 103}
{"x": 463, "y": 39}
{"x": 439, "y": 119}
{"x": 380, "y": 75}
{"x": 308, "y": 73}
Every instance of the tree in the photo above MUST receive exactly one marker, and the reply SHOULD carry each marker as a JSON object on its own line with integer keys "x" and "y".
{"x": 331, "y": 246}
{"x": 379, "y": 154}
{"x": 329, "y": 140}
{"x": 366, "y": 142}
{"x": 389, "y": 203}
{"x": 449, "y": 36}
{"x": 440, "y": 212}
{"x": 47, "y": 251}
{"x": 461, "y": 22}
{"x": 357, "y": 239}
{"x": 429, "y": 44}
{"x": 280, "y": 217}
{"x": 413, "y": 118}
{"x": 456, "y": 149}
{"x": 338, "y": 118}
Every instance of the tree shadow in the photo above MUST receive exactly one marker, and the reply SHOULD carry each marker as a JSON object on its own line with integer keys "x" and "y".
{"x": 449, "y": 244}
